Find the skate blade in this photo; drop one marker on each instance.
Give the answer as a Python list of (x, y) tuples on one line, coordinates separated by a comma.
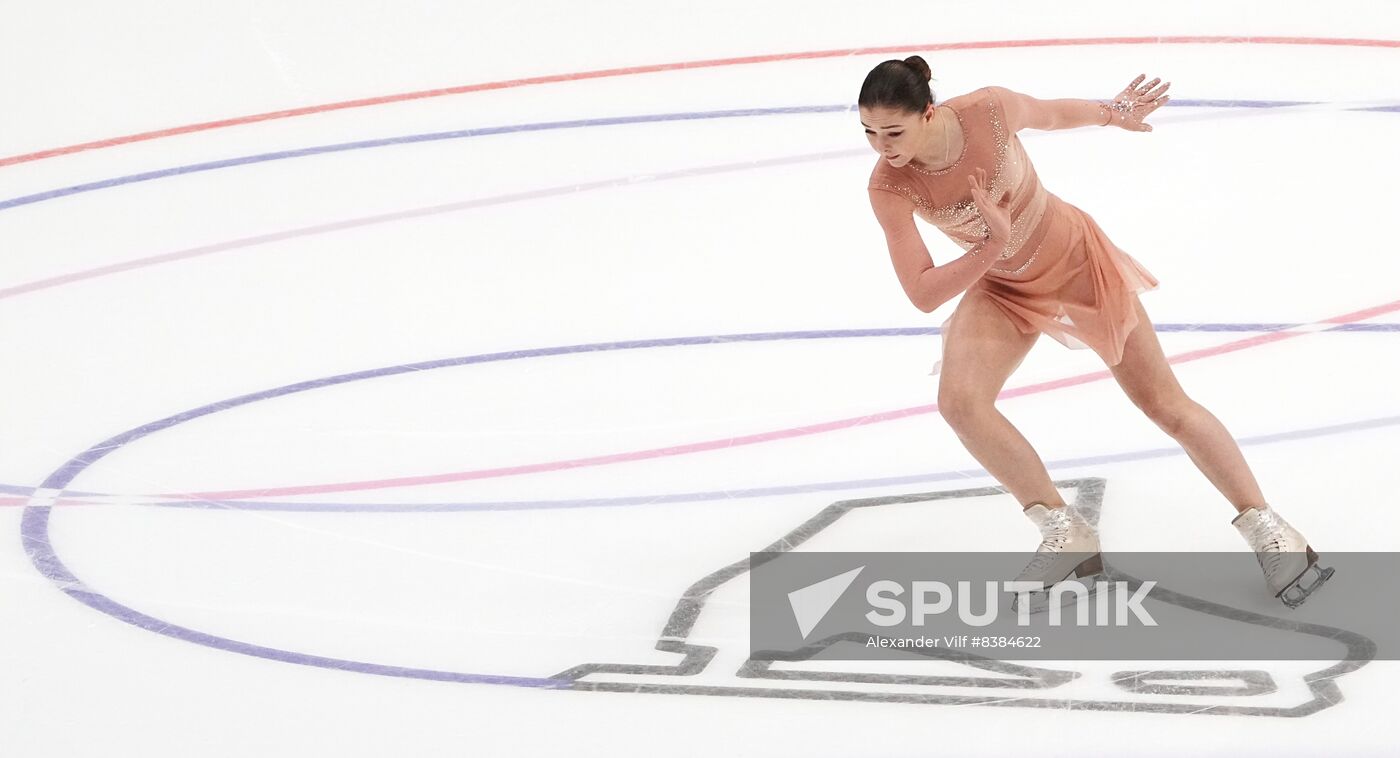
[(1297, 592), (1087, 574), (1039, 602)]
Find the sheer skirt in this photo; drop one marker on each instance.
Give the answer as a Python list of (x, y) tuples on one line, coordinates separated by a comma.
[(1079, 289)]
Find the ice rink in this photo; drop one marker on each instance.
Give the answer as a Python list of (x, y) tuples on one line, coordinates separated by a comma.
[(381, 378)]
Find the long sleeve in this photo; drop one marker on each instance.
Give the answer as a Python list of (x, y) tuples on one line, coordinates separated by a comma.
[(1026, 112), (926, 285)]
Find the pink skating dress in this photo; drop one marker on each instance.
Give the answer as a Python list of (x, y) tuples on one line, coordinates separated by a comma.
[(1060, 274)]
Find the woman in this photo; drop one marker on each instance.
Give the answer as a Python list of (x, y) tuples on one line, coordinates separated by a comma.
[(1034, 263)]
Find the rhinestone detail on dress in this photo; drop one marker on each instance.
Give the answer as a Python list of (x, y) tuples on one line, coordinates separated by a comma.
[(965, 212)]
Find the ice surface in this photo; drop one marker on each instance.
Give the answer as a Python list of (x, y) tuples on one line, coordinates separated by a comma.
[(587, 340)]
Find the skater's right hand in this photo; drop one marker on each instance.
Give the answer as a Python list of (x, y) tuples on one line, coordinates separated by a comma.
[(995, 214)]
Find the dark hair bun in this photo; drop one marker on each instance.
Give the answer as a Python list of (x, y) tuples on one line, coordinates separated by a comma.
[(899, 84), (920, 67)]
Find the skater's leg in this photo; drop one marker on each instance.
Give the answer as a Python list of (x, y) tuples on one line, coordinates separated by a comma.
[(1147, 378), (980, 350), (1290, 566)]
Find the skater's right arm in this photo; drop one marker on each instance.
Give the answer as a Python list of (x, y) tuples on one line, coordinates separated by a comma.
[(927, 286)]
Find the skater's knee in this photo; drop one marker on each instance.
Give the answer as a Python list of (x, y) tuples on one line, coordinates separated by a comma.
[(962, 409), (1170, 411)]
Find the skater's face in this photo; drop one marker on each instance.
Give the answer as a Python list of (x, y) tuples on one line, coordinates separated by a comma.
[(897, 135)]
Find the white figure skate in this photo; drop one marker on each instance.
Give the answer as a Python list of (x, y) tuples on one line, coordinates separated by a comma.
[(1289, 564), (1069, 548)]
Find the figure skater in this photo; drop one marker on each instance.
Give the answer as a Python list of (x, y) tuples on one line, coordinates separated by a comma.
[(1034, 263)]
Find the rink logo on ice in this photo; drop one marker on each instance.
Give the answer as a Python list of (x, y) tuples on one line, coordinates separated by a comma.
[(1206, 608)]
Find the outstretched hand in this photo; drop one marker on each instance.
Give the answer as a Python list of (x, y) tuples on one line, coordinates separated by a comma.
[(996, 214), (1134, 103)]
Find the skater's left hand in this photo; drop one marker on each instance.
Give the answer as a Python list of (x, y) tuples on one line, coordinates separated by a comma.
[(1134, 103), (995, 213)]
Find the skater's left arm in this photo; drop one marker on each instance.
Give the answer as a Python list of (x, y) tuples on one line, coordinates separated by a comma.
[(1126, 111)]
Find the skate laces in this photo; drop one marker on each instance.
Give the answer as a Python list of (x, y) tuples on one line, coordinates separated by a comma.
[(1054, 535), (1266, 537)]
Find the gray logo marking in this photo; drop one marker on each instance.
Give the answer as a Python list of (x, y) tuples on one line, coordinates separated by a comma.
[(1012, 680)]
